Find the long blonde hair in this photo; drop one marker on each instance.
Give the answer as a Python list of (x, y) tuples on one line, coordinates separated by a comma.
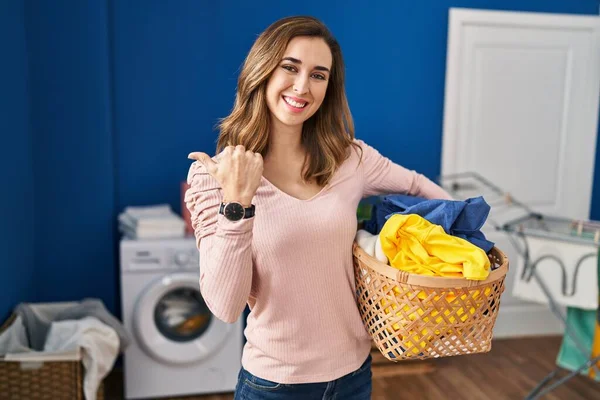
[(326, 136)]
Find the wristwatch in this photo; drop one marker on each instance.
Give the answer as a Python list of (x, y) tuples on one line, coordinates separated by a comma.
[(235, 211)]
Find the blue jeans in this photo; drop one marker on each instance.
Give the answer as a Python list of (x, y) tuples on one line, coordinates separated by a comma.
[(354, 386)]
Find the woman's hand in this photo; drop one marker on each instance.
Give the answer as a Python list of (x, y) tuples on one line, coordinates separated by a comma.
[(237, 170)]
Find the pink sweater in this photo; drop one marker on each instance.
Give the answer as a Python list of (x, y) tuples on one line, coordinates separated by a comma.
[(292, 264)]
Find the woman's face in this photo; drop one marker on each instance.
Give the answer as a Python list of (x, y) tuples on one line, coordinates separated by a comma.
[(297, 87)]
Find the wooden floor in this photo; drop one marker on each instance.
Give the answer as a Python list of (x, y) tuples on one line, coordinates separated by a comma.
[(509, 371)]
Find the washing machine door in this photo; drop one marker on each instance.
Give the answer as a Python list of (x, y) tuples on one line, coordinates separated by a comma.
[(173, 324)]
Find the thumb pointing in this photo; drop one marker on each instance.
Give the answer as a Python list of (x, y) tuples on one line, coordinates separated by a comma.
[(205, 160)]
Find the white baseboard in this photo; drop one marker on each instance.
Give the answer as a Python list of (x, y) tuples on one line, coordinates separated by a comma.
[(519, 320)]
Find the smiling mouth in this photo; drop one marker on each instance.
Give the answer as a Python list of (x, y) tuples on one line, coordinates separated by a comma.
[(293, 103)]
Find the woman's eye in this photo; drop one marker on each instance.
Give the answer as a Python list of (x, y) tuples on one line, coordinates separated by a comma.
[(289, 68), (319, 76)]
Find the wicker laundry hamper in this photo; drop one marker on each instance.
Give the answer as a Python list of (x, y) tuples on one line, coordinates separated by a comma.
[(47, 380), (414, 317)]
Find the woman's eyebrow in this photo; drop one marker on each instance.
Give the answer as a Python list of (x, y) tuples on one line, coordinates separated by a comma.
[(296, 61)]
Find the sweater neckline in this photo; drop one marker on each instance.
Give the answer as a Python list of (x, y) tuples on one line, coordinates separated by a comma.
[(336, 175), (268, 183)]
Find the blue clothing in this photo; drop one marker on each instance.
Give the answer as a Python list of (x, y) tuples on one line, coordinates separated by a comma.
[(353, 386), (463, 219)]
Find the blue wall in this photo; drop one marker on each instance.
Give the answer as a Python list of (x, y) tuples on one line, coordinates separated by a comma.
[(16, 167), (165, 96), (68, 44), (120, 93)]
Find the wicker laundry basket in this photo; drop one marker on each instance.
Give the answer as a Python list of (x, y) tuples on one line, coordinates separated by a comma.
[(47, 380), (414, 317)]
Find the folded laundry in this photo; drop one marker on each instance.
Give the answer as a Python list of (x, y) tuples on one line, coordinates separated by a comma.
[(151, 222), (463, 219), (160, 215)]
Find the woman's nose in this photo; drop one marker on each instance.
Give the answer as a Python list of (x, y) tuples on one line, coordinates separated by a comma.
[(301, 85)]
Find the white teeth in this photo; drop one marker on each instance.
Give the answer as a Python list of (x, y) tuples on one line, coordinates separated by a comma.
[(294, 103)]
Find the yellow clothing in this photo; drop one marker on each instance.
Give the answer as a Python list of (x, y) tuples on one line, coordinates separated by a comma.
[(415, 245)]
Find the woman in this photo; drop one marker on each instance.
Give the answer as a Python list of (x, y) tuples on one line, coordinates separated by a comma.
[(287, 153)]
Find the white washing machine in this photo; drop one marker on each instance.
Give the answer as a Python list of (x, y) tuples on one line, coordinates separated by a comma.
[(178, 346)]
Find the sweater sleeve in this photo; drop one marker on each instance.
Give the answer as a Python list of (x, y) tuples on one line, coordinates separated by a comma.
[(225, 247), (382, 176)]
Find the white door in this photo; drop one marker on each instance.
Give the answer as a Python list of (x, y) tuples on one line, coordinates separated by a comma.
[(521, 109)]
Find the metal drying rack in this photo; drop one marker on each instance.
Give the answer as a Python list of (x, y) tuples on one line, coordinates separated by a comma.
[(521, 222)]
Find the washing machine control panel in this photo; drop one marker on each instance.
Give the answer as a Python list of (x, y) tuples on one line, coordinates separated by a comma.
[(165, 255), (184, 259)]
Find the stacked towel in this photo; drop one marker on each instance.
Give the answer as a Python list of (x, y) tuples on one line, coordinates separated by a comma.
[(151, 222)]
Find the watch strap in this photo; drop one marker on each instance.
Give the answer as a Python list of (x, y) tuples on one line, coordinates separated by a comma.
[(249, 211)]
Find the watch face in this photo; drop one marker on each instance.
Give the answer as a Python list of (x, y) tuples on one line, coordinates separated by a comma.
[(234, 211)]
